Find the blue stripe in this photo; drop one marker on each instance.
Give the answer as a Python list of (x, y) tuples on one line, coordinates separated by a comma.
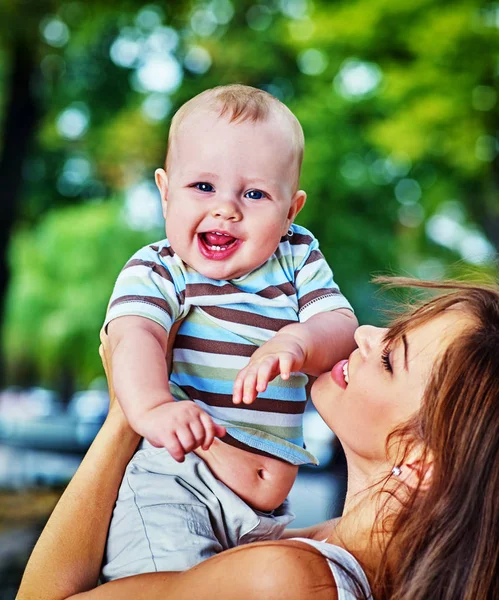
[(218, 386)]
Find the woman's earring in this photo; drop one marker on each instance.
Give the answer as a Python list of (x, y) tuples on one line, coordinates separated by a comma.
[(396, 471), (290, 232)]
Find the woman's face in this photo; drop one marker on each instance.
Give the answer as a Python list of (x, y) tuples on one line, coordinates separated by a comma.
[(380, 387)]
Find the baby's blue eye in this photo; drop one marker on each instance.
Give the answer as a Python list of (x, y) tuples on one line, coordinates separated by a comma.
[(254, 195), (204, 187)]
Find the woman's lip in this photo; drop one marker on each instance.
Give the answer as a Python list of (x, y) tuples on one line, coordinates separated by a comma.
[(337, 373), (217, 254)]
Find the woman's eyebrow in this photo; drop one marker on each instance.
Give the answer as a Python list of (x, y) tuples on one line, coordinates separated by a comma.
[(406, 352)]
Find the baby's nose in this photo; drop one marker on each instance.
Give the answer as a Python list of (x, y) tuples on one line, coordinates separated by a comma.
[(227, 210)]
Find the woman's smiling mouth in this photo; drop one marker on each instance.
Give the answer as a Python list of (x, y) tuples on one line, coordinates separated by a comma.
[(339, 373)]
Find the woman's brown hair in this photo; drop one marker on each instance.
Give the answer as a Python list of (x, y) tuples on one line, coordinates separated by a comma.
[(444, 541)]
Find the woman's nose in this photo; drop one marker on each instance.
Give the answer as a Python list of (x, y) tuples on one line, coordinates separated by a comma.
[(367, 337), (227, 210)]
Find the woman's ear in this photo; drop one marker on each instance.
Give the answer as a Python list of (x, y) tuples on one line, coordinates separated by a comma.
[(162, 182), (417, 473)]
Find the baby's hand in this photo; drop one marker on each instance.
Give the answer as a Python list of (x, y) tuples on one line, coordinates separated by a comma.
[(180, 427), (279, 356)]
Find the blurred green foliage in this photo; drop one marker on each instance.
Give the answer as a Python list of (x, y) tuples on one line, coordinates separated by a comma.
[(398, 102)]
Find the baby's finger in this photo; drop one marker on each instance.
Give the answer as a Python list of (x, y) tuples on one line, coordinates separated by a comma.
[(285, 365), (220, 430), (237, 390), (249, 387), (174, 447), (266, 373)]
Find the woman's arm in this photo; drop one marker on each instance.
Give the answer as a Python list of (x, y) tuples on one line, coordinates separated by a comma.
[(68, 554), (67, 558)]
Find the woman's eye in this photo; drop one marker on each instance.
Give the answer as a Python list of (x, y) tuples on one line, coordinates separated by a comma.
[(204, 187), (254, 195), (385, 360)]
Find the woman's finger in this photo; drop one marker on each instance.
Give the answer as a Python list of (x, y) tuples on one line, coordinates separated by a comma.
[(198, 431), (186, 439), (208, 426)]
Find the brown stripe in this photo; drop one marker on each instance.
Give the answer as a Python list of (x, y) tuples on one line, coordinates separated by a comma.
[(159, 302), (316, 294), (274, 291), (208, 289), (214, 346), (228, 439), (246, 318), (158, 269), (154, 247), (260, 404), (167, 251), (300, 238), (314, 256)]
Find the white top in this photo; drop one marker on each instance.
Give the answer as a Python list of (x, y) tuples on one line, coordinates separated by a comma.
[(335, 556)]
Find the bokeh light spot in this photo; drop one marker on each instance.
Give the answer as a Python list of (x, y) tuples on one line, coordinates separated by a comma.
[(156, 107), (204, 22), (159, 74), (295, 9), (357, 79), (259, 17), (142, 210), (55, 32), (124, 51), (411, 215), (73, 122), (312, 61), (484, 97), (408, 191), (486, 148), (197, 60), (149, 17)]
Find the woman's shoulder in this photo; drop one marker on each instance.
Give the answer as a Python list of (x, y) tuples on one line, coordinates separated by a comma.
[(277, 569)]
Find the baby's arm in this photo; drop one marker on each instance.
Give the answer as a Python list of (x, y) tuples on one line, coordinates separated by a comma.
[(313, 347), (140, 378)]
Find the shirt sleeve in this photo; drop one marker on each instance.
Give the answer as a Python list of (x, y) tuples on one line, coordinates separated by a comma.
[(316, 289), (146, 287)]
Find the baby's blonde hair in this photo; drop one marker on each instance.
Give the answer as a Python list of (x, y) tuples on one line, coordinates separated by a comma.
[(239, 103)]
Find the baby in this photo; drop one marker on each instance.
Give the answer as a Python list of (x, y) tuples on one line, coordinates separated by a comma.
[(244, 302)]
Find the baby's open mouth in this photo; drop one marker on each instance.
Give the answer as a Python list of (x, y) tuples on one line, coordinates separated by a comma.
[(217, 240)]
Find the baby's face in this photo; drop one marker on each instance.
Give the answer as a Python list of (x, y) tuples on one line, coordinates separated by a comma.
[(230, 192)]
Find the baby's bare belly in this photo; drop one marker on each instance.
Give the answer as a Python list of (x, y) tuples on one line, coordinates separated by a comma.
[(262, 482)]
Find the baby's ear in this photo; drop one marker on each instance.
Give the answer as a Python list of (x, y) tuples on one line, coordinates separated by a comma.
[(162, 182), (297, 203)]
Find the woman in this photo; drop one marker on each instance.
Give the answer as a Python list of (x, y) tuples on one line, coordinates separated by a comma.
[(416, 410)]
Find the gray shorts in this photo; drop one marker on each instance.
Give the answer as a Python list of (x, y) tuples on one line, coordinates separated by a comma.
[(170, 516)]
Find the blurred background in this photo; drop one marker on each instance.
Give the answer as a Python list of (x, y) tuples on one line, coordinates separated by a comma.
[(399, 104)]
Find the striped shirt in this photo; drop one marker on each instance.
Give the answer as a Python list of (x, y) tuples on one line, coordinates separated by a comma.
[(223, 323)]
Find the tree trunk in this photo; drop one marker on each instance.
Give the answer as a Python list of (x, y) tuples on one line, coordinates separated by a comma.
[(21, 116)]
